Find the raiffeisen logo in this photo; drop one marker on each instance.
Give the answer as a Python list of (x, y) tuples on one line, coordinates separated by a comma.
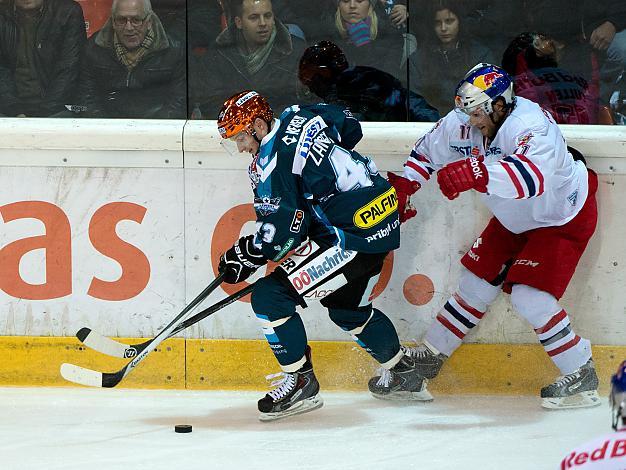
[(376, 210)]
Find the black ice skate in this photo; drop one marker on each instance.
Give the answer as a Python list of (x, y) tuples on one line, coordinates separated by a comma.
[(401, 382), (428, 360), (296, 393), (576, 390)]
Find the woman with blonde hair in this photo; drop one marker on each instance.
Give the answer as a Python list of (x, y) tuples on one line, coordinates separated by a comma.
[(366, 35)]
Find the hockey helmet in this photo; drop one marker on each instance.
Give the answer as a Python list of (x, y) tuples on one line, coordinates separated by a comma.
[(319, 66), (481, 86), (617, 398), (239, 112)]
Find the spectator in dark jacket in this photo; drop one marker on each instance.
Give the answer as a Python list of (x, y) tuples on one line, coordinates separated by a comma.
[(132, 69), (255, 52), (370, 94), (446, 54), (40, 46)]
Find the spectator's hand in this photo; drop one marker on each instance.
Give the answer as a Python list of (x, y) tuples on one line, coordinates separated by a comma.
[(398, 15), (463, 175), (404, 189), (241, 261), (602, 36)]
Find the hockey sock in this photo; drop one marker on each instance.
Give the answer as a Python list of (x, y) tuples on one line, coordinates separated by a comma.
[(552, 325), (287, 339), (461, 312), (452, 323), (566, 349)]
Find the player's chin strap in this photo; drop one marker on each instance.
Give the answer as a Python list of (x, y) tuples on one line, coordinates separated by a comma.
[(508, 107)]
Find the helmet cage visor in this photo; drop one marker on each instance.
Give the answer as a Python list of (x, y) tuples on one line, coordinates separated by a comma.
[(236, 142)]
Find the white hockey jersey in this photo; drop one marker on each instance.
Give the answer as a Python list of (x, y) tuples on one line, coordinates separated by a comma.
[(533, 180), (603, 453)]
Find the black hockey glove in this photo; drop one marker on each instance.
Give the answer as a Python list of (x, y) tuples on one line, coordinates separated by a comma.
[(241, 261)]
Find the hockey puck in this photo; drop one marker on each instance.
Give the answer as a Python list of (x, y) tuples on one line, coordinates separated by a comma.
[(183, 428)]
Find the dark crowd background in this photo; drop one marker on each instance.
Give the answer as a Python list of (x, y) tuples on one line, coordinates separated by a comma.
[(387, 60)]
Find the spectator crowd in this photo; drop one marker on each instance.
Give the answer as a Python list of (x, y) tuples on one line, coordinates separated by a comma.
[(387, 60)]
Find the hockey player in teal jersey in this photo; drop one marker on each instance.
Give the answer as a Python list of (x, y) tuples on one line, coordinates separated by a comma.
[(313, 191)]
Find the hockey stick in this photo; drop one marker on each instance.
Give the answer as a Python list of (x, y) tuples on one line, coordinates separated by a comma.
[(83, 376), (110, 347)]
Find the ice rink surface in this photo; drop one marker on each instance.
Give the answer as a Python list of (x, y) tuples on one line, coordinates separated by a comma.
[(101, 429)]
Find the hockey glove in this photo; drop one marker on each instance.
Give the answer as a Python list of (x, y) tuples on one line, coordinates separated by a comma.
[(404, 189), (463, 175), (241, 261)]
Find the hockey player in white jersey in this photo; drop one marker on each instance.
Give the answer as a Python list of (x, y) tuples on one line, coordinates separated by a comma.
[(606, 452), (544, 212)]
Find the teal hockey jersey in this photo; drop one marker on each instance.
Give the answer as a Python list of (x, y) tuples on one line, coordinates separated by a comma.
[(308, 182)]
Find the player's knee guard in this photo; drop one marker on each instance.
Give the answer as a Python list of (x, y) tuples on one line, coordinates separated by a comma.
[(371, 329), (270, 297), (535, 305), (351, 321), (475, 291)]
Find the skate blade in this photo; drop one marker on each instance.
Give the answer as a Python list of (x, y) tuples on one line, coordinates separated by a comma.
[(424, 396), (304, 406), (580, 400)]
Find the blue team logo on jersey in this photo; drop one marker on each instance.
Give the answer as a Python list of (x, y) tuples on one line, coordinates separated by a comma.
[(493, 151), (461, 147), (266, 205)]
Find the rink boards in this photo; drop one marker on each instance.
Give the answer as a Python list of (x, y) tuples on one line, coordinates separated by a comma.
[(116, 225)]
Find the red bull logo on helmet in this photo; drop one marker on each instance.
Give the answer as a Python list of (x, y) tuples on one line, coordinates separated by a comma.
[(486, 80)]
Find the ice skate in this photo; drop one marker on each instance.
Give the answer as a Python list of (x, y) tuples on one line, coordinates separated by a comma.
[(295, 393), (401, 382), (576, 390), (428, 360)]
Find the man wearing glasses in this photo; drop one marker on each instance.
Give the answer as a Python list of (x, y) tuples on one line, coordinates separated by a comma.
[(132, 68), (542, 198)]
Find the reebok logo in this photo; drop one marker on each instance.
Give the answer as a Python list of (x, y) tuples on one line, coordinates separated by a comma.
[(475, 167)]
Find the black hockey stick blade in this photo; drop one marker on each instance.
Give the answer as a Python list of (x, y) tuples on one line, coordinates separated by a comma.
[(110, 347), (92, 378)]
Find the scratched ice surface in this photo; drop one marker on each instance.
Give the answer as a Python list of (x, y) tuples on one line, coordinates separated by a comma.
[(79, 428)]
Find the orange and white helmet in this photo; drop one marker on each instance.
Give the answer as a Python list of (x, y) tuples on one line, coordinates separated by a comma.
[(239, 112)]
